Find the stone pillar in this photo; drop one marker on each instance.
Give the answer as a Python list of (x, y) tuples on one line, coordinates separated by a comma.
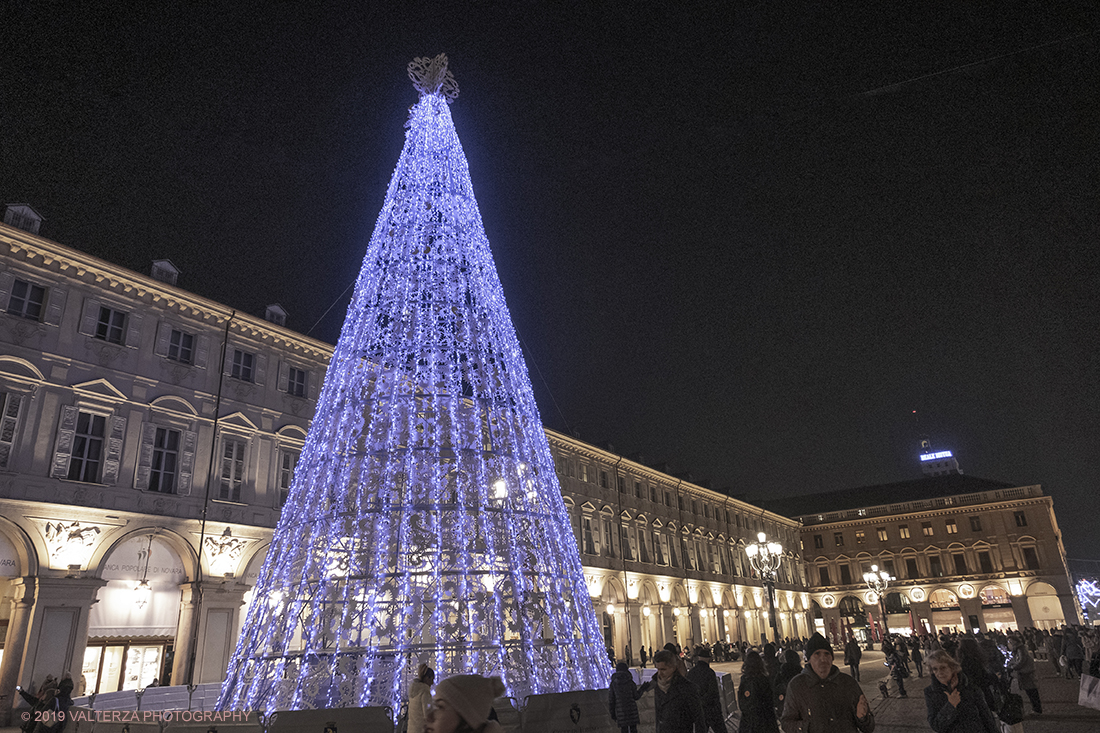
[(22, 604), (972, 607), (1070, 610), (57, 630), (1022, 612), (185, 634), (219, 612)]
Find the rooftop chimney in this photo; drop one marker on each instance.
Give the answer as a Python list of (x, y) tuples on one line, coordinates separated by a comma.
[(276, 314), (165, 271), (22, 216)]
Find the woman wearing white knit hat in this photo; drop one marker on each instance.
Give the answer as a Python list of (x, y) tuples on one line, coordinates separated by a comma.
[(462, 704)]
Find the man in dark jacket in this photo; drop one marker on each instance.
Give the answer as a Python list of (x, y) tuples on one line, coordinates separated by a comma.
[(621, 698), (824, 700), (702, 676), (676, 700), (852, 655)]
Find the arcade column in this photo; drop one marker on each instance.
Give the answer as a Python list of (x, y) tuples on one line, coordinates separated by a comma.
[(218, 607)]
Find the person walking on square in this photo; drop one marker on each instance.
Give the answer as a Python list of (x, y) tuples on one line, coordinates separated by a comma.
[(676, 702), (1022, 667), (955, 705), (918, 661), (464, 703), (822, 699), (755, 698), (643, 655), (898, 670), (622, 696), (852, 655), (420, 697), (702, 676)]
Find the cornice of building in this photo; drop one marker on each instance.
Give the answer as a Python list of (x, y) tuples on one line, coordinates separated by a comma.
[(596, 453), (1016, 496), (43, 253)]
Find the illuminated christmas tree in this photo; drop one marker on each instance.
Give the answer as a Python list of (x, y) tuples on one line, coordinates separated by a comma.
[(425, 522)]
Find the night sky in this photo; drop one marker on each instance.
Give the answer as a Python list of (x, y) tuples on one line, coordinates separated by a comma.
[(745, 239)]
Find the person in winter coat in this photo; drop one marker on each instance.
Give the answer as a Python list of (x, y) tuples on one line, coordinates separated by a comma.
[(791, 667), (702, 676), (918, 660), (420, 697), (1075, 652), (954, 705), (898, 670), (463, 703), (1022, 667), (622, 695), (852, 655), (644, 656), (676, 701), (771, 663), (754, 698), (822, 699)]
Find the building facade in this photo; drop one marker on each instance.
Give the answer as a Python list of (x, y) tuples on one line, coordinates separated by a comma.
[(964, 553), (148, 437)]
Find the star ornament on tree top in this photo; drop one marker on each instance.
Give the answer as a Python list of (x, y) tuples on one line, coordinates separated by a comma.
[(431, 76)]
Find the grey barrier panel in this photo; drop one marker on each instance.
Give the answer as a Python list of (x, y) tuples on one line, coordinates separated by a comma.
[(579, 711), (349, 720)]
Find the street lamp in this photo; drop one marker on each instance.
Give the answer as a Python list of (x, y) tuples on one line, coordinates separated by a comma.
[(877, 581), (765, 558)]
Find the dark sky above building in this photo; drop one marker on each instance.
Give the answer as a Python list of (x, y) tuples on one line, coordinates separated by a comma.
[(748, 239)]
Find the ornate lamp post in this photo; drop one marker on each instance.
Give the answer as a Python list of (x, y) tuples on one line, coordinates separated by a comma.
[(765, 558), (877, 581)]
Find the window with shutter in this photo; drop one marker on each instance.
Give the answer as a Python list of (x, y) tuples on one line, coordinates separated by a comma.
[(10, 407), (26, 300), (87, 448), (232, 474)]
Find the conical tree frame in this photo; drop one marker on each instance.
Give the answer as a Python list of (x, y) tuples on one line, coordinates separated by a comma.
[(425, 522)]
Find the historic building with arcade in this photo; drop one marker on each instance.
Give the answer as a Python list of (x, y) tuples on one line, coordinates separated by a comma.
[(148, 440), (148, 437)]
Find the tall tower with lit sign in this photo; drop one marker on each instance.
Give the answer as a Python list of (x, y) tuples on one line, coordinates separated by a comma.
[(936, 463), (425, 521)]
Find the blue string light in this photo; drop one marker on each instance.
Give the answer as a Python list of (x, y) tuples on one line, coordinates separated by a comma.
[(425, 521)]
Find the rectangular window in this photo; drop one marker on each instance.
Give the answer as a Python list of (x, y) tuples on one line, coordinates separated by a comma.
[(643, 545), (960, 563), (166, 447), (860, 537), (926, 529), (911, 568), (680, 503), (1021, 519), (986, 562), (87, 457), (1031, 558), (882, 535), (660, 548), (111, 326), (608, 539), (975, 524), (637, 489), (888, 566), (243, 366), (589, 543), (904, 531), (287, 465), (232, 470), (845, 575), (671, 546), (937, 566), (620, 482), (9, 418), (668, 498), (603, 480), (26, 300), (653, 493), (819, 542), (838, 539), (296, 382), (823, 571), (952, 528), (181, 347), (629, 543)]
